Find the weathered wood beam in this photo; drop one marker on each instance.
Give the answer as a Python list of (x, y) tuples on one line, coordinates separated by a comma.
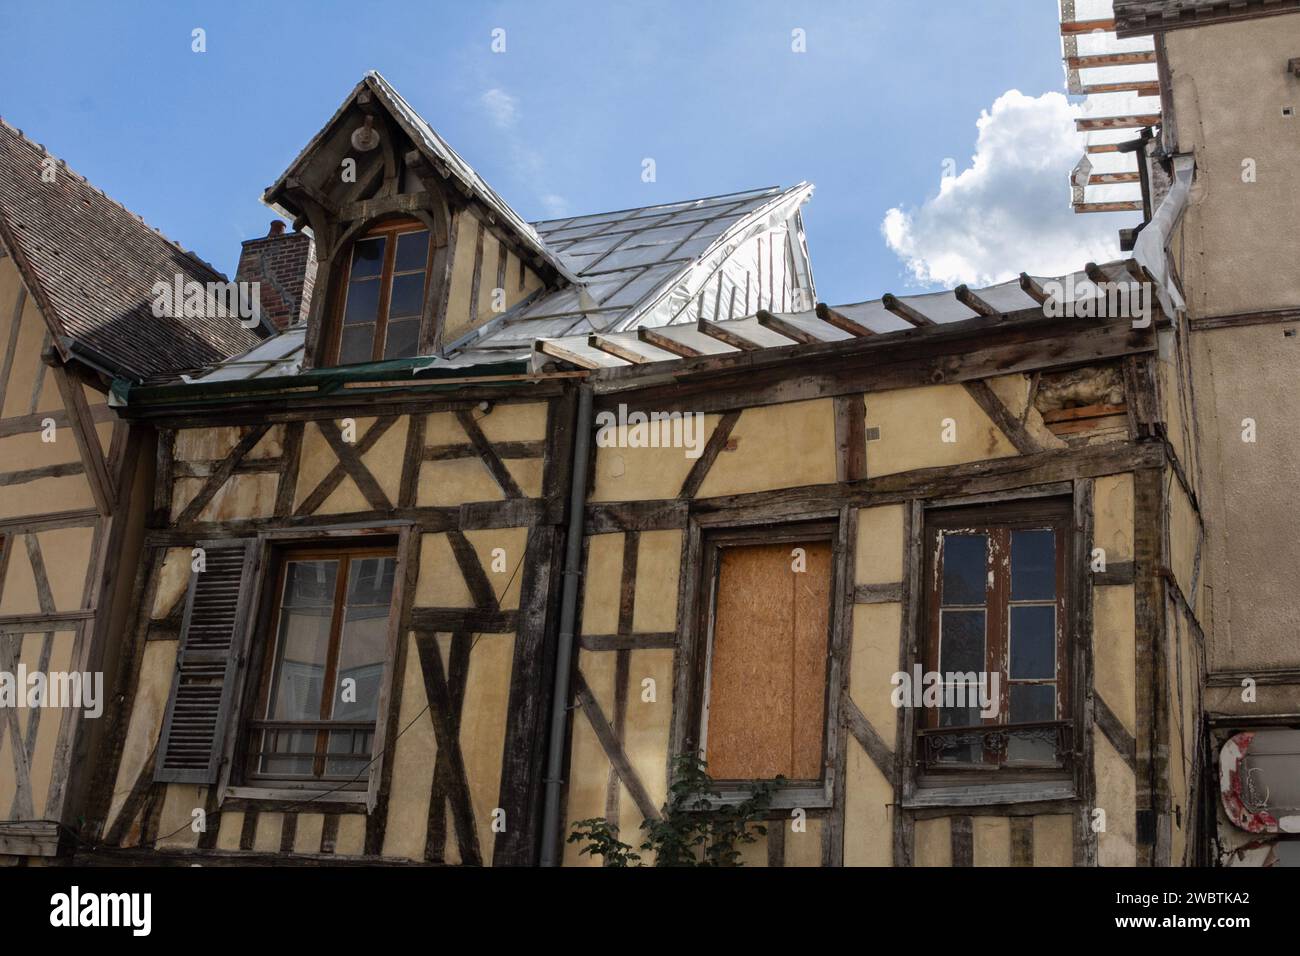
[(301, 189), (1113, 179), (1076, 27), (350, 458), (613, 748), (726, 336), (870, 740), (1140, 87), (841, 321), (966, 297), (1127, 205), (557, 351), (1131, 121), (1033, 288), (609, 346), (1091, 60), (83, 430), (898, 307), (700, 470), (336, 474), (661, 341), (487, 454), (778, 325), (221, 474), (1096, 273), (1009, 424)]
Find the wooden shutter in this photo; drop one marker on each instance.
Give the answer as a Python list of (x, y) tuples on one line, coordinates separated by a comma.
[(211, 652)]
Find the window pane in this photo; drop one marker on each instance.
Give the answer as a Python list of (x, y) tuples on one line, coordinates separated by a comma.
[(402, 339), (355, 742), (967, 749), (364, 641), (363, 302), (412, 251), (408, 295), (368, 257), (1032, 703), (1033, 565), (1033, 643), (961, 641), (302, 743), (965, 568), (302, 641), (357, 344)]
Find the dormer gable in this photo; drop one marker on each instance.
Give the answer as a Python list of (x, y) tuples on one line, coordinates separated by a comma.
[(413, 248)]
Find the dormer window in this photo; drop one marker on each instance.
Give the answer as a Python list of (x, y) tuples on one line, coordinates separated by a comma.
[(383, 303)]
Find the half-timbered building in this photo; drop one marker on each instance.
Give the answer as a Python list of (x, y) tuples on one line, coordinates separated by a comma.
[(516, 513), (77, 272)]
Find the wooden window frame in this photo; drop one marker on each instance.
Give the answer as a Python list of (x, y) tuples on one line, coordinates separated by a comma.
[(705, 537), (391, 229), (405, 543), (1011, 782)]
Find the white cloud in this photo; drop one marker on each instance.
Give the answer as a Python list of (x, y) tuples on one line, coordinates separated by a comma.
[(501, 107), (554, 205), (1009, 211)]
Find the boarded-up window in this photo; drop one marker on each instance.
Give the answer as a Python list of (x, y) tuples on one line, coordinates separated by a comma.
[(765, 712)]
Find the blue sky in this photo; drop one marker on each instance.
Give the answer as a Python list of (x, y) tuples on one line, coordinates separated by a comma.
[(560, 122)]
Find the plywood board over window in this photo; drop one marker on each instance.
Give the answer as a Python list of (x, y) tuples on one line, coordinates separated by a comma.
[(766, 705)]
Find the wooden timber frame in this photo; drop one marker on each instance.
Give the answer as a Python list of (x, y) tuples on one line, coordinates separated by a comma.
[(964, 353), (135, 827)]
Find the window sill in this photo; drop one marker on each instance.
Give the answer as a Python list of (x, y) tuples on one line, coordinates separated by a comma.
[(337, 801), (987, 794)]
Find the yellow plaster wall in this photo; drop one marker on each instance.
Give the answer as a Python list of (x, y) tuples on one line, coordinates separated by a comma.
[(933, 842), (1117, 795), (911, 423), (659, 557), (991, 840), (880, 545), (874, 660), (588, 767), (601, 583), (776, 446), (1114, 645), (868, 819), (153, 687), (1112, 521), (623, 473), (414, 757), (1053, 840), (66, 554)]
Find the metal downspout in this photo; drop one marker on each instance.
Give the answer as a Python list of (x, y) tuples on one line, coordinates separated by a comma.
[(564, 649)]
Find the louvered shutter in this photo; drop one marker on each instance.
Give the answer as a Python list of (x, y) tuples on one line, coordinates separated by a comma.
[(208, 660)]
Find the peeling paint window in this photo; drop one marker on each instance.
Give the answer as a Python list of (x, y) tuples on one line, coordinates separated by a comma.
[(995, 651)]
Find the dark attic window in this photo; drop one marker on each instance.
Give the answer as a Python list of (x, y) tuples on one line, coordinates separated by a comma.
[(382, 304)]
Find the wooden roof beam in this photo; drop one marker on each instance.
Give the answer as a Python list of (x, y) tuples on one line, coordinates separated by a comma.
[(841, 321), (726, 336), (610, 347), (769, 321), (1131, 121), (553, 350), (1096, 273), (1140, 87), (1110, 179), (1033, 288), (661, 341), (1071, 28), (1131, 205), (904, 311), (973, 302), (1090, 60)]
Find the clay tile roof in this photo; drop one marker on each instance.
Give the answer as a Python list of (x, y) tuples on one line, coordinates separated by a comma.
[(91, 265)]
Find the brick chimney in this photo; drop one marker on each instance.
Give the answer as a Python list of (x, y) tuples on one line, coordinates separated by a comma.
[(284, 264)]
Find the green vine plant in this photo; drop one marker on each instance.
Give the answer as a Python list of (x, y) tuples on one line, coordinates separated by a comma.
[(694, 829)]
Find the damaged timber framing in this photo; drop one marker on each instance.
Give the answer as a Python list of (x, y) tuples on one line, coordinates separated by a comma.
[(965, 353)]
